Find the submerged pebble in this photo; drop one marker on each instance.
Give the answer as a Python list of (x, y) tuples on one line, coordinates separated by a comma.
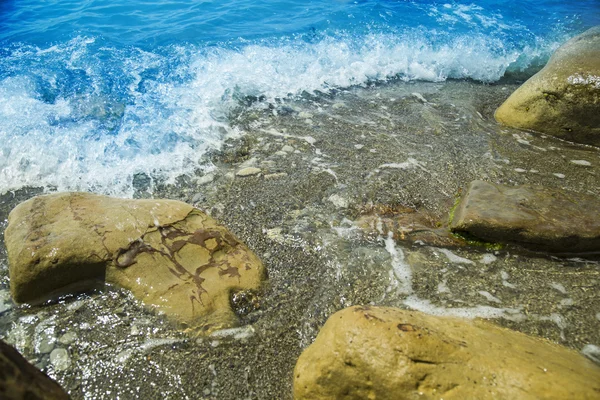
[(60, 359)]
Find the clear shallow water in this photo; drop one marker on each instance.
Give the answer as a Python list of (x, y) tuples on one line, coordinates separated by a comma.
[(94, 92)]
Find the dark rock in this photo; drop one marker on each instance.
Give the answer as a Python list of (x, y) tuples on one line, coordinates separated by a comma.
[(20, 380), (535, 217)]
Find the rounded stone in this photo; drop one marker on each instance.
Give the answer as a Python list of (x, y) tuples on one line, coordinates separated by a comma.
[(60, 360)]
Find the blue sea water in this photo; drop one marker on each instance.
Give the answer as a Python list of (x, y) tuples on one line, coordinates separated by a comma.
[(93, 92)]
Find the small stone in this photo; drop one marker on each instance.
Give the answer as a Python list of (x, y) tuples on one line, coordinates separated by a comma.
[(5, 302), (419, 97), (287, 148), (582, 163), (67, 338), (277, 175), (248, 171), (520, 170), (559, 176), (338, 201), (60, 359), (203, 180), (46, 343), (359, 146)]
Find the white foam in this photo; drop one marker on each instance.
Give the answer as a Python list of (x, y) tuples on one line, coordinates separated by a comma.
[(427, 307), (453, 258), (401, 273), (99, 140)]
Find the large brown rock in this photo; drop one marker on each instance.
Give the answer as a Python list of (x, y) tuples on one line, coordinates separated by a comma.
[(20, 380), (386, 353), (535, 217), (171, 256), (563, 99)]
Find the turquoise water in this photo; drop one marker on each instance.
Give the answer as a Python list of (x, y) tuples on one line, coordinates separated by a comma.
[(94, 92)]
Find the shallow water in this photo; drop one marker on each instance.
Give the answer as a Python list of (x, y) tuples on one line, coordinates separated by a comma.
[(97, 94), (348, 108), (326, 161)]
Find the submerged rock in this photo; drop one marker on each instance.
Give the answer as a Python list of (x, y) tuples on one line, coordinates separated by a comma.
[(407, 225), (21, 380), (387, 353), (171, 256), (535, 217), (563, 99)]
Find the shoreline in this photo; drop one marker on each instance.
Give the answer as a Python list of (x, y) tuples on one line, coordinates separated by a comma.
[(323, 162)]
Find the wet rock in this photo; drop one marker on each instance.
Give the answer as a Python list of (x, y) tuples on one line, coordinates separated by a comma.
[(407, 225), (67, 338), (386, 353), (172, 256), (59, 358), (21, 380), (248, 171), (563, 99), (535, 217)]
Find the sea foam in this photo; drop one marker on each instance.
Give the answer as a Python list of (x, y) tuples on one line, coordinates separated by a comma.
[(88, 115)]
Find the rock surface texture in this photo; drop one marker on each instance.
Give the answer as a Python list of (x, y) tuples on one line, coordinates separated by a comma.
[(387, 353), (170, 255), (563, 99), (21, 380), (535, 217)]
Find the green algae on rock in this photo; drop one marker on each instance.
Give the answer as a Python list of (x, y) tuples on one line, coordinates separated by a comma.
[(535, 217), (171, 256), (387, 353), (563, 99)]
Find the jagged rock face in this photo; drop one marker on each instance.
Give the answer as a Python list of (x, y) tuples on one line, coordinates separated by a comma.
[(21, 380), (563, 99), (386, 353), (535, 217), (171, 256)]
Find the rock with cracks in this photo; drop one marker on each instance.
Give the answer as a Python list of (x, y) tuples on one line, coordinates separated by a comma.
[(563, 99), (535, 217), (171, 256), (386, 353)]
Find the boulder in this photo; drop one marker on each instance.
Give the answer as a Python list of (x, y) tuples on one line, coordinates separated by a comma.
[(21, 380), (535, 217), (171, 256), (563, 99), (386, 353)]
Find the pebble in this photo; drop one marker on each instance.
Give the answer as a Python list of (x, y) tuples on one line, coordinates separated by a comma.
[(520, 170), (248, 171), (582, 163), (67, 338), (5, 302), (287, 148), (276, 175), (203, 180), (60, 359), (338, 201), (560, 176), (46, 343)]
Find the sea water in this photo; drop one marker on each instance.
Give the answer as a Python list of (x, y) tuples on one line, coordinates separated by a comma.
[(96, 93)]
